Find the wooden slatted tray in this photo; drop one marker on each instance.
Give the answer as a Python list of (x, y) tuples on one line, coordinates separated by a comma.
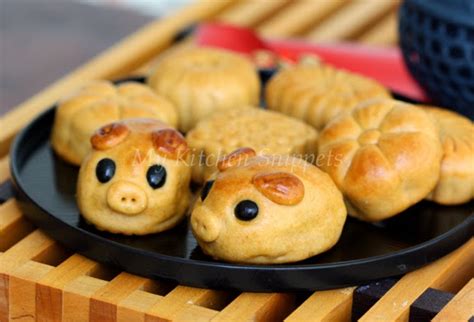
[(40, 280)]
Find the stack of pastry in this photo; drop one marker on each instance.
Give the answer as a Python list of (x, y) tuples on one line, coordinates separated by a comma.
[(135, 167), (384, 155), (267, 177), (392, 155)]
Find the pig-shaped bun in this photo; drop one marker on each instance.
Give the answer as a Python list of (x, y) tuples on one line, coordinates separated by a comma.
[(136, 178), (267, 209)]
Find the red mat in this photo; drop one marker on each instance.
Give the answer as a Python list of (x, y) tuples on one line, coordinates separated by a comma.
[(383, 64)]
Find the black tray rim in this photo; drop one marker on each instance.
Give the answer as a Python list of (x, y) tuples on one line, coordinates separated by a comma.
[(422, 253)]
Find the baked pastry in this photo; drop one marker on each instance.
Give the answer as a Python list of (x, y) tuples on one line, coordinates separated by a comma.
[(316, 93), (136, 178), (266, 132), (99, 103), (267, 209), (201, 81), (384, 156), (456, 182)]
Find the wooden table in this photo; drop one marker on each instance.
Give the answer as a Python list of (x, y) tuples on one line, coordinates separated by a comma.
[(40, 280)]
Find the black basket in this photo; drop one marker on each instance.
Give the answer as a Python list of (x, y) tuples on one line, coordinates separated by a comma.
[(437, 40)]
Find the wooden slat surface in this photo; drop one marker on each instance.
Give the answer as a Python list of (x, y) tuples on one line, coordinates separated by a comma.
[(35, 246), (13, 226), (257, 307), (298, 17), (103, 305), (23, 290), (333, 305), (249, 13), (77, 295), (50, 288), (461, 307), (383, 33), (180, 299), (133, 308), (4, 169), (351, 20), (447, 274)]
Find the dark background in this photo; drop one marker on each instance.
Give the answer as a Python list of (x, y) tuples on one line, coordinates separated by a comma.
[(40, 41)]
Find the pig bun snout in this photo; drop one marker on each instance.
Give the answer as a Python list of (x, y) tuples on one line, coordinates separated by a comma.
[(205, 226), (126, 198)]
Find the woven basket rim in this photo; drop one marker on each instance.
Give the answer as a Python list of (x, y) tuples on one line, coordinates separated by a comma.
[(435, 9)]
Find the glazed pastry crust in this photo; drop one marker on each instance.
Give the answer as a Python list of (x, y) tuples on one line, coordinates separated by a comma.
[(456, 182), (99, 103), (282, 232), (133, 155), (201, 81), (316, 93), (266, 132), (384, 156)]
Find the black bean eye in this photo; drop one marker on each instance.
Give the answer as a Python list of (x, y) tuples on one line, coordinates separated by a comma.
[(105, 170), (205, 190), (246, 210), (156, 176)]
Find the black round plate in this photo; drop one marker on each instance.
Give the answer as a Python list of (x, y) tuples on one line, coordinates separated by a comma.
[(365, 252)]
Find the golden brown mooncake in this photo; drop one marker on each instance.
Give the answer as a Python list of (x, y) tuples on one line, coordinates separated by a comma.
[(267, 210), (99, 103), (135, 180), (316, 93), (202, 81), (264, 131), (384, 156), (456, 182)]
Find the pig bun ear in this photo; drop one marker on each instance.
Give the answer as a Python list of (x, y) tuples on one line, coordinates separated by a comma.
[(282, 188), (235, 158), (170, 144), (109, 136)]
